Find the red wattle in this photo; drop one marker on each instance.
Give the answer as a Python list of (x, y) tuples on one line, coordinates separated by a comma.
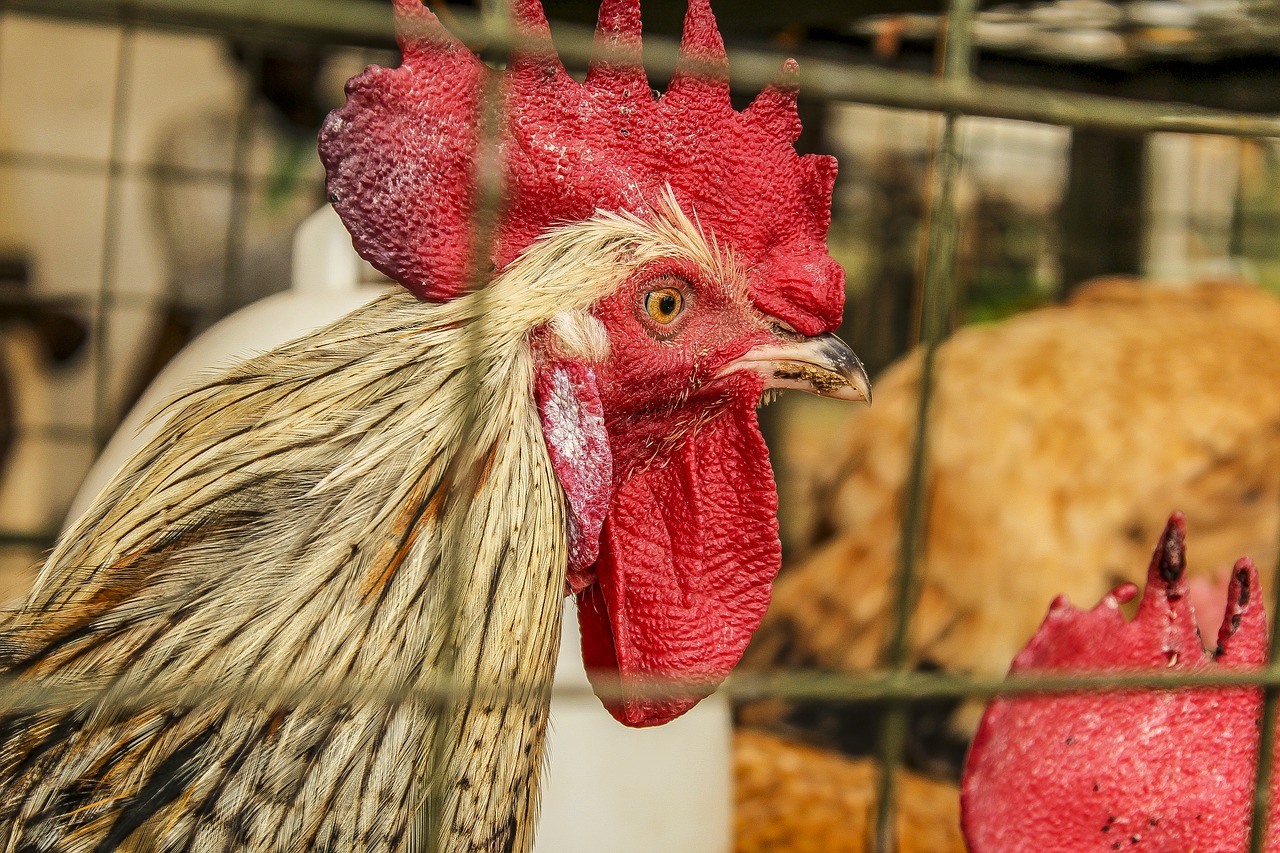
[(578, 444), (687, 559)]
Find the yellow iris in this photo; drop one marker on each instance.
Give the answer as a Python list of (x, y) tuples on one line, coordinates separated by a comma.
[(664, 304)]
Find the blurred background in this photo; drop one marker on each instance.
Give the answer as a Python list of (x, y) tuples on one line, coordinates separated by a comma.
[(157, 157)]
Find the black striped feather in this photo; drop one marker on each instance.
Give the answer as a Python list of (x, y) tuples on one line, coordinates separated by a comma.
[(244, 615), (320, 610)]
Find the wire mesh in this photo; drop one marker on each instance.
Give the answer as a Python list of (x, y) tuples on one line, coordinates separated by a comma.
[(955, 93)]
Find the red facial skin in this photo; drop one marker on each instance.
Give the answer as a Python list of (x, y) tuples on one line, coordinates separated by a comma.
[(659, 378), (689, 548)]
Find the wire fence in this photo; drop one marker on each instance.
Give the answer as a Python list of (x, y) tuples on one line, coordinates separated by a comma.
[(363, 31)]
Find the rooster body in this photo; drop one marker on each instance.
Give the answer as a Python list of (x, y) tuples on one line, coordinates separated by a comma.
[(320, 610), (181, 581), (240, 624)]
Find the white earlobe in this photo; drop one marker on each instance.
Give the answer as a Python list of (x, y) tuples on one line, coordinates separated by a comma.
[(581, 335)]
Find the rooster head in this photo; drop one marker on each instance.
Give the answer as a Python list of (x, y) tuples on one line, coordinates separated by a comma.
[(673, 257)]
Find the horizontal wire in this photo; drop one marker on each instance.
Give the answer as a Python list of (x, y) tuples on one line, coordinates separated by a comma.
[(339, 22), (161, 172), (326, 21), (18, 694)]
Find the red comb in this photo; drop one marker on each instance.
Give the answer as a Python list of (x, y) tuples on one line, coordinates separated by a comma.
[(401, 153), (1160, 770)]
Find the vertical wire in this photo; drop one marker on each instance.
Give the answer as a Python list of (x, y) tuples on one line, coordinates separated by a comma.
[(489, 195), (936, 310), (1239, 202), (1259, 817), (102, 417)]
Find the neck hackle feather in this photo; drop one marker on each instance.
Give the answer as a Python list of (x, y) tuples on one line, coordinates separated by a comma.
[(262, 680)]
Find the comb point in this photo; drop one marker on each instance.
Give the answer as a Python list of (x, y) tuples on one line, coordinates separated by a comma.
[(534, 52), (531, 18), (617, 60), (774, 110), (703, 61), (1242, 637), (701, 41), (418, 30)]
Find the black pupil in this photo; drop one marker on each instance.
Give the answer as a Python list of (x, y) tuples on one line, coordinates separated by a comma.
[(666, 303)]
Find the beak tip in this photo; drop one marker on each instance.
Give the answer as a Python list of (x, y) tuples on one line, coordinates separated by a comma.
[(856, 375), (822, 365)]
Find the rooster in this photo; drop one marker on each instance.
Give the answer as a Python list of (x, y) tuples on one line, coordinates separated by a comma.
[(320, 610)]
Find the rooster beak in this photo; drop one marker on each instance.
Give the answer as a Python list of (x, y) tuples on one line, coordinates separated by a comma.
[(822, 365)]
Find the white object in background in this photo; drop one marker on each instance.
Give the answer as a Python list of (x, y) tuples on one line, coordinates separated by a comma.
[(326, 285), (607, 788), (611, 789)]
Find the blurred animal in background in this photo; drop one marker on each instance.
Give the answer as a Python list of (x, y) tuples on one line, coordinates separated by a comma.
[(1060, 441), (320, 610), (1128, 769), (794, 798)]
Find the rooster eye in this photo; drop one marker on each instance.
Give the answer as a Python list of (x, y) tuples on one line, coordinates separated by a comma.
[(664, 304)]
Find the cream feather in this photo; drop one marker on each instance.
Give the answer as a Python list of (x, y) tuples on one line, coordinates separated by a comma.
[(262, 600)]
